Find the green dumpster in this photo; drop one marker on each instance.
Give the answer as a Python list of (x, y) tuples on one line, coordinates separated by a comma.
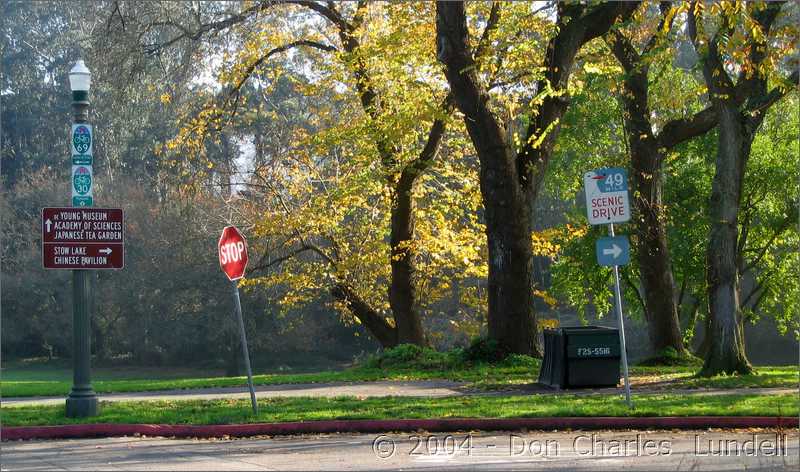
[(581, 356)]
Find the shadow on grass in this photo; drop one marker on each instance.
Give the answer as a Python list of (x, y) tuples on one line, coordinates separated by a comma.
[(351, 408)]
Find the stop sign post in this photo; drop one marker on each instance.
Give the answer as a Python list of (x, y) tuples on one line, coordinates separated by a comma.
[(232, 249)]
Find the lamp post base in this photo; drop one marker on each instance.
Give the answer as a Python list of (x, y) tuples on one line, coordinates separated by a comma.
[(82, 406)]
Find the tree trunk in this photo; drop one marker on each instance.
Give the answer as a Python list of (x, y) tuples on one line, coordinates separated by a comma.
[(511, 318), (510, 183), (657, 280), (688, 321), (652, 252), (376, 324), (705, 343), (726, 352), (402, 288), (647, 158), (740, 109)]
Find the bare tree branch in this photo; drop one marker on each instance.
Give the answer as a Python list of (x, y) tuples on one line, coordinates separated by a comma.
[(491, 25), (252, 67)]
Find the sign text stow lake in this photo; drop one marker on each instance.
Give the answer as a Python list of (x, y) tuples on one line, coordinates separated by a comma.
[(82, 238)]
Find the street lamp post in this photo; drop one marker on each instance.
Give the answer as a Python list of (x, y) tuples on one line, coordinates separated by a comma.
[(82, 400)]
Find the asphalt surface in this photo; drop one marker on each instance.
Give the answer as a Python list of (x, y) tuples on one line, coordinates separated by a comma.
[(421, 388), (576, 450)]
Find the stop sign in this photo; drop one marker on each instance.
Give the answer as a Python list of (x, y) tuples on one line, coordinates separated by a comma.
[(232, 249)]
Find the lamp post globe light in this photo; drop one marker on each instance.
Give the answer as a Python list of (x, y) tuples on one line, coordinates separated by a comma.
[(82, 400), (80, 80)]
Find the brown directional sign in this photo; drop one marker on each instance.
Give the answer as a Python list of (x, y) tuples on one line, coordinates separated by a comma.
[(83, 238), (82, 256)]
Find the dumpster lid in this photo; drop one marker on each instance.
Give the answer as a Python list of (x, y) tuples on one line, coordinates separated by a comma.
[(588, 330)]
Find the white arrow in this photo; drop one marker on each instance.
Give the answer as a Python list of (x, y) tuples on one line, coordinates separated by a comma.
[(47, 224), (107, 251), (615, 250)]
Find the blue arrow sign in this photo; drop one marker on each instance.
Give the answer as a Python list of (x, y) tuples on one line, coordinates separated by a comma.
[(613, 251)]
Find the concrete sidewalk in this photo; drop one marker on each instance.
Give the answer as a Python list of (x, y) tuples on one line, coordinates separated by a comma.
[(420, 388)]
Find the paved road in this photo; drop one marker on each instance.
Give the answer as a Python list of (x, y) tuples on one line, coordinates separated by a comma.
[(422, 388), (582, 451)]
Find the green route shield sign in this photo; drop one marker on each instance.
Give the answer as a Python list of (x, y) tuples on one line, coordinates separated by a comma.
[(81, 144), (81, 139), (82, 180)]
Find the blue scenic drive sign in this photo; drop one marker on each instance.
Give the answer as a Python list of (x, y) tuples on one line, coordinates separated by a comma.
[(613, 251)]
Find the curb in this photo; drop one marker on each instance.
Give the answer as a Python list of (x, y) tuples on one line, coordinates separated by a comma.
[(408, 425)]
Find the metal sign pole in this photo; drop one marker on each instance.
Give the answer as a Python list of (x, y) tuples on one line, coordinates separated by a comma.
[(621, 325), (245, 351), (82, 400)]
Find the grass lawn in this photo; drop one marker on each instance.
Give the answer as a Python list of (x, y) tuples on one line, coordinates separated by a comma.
[(402, 363), (764, 377), (20, 384), (309, 409)]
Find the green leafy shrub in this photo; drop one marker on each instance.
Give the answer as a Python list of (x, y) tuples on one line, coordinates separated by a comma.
[(410, 356), (670, 357), (401, 354), (521, 360), (485, 350), (481, 351)]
